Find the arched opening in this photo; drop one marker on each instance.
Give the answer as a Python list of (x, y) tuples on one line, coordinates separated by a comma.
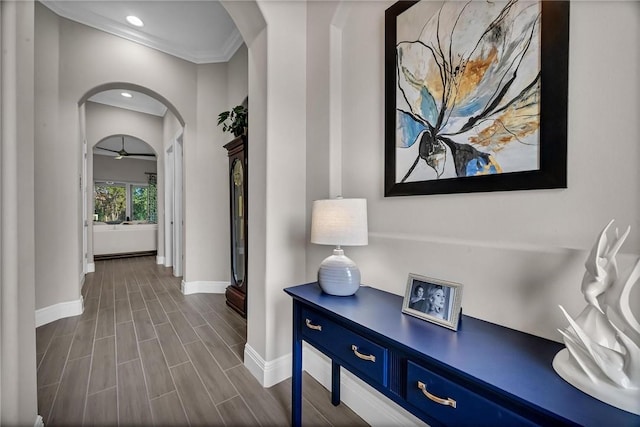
[(124, 205), (132, 87), (126, 157)]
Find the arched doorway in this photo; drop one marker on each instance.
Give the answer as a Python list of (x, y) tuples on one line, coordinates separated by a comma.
[(117, 127), (124, 199)]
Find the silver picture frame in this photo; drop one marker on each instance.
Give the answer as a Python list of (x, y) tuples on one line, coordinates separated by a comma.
[(434, 300)]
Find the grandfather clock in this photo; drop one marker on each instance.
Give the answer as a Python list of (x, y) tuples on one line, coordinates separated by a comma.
[(236, 292)]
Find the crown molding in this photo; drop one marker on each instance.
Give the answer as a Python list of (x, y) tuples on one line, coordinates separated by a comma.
[(93, 20)]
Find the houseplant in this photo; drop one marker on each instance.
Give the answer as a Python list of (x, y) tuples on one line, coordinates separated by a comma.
[(234, 120)]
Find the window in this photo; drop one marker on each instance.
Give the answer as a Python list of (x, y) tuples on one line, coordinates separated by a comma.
[(110, 202), (116, 202), (140, 203)]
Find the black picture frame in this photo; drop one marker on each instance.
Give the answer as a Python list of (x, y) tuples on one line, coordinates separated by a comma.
[(448, 311), (552, 172)]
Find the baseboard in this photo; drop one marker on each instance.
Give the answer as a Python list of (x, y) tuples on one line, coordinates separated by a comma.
[(159, 260), (91, 267), (59, 311), (267, 373), (373, 407), (203, 287), (39, 422)]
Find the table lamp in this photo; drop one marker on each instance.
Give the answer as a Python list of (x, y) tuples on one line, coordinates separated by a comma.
[(340, 222)]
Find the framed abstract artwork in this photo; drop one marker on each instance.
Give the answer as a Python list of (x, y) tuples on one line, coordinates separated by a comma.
[(475, 96)]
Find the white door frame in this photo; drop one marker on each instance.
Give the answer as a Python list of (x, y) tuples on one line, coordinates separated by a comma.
[(178, 209), (168, 207), (85, 208)]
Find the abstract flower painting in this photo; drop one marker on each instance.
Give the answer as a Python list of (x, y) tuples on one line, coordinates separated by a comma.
[(467, 87)]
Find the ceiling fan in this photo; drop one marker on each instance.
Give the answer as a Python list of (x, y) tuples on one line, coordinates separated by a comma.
[(124, 153)]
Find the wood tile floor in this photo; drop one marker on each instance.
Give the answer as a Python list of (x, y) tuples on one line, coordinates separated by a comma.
[(144, 354)]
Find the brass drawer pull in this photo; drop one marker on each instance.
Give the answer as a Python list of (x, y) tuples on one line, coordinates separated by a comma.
[(447, 402), (369, 357), (312, 326)]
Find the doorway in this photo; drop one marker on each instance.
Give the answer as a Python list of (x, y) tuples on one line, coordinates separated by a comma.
[(174, 212)]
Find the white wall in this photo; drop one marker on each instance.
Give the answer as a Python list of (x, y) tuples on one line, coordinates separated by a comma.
[(518, 254), (251, 23), (50, 152), (18, 398), (275, 35), (209, 229), (237, 77), (106, 168), (285, 169), (103, 119), (319, 90)]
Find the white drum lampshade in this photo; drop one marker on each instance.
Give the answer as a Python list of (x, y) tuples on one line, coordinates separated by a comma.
[(339, 222)]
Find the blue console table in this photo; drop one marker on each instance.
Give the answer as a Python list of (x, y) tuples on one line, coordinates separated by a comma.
[(483, 374)]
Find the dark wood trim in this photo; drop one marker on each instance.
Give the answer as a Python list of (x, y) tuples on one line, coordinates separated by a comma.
[(236, 299), (124, 255), (236, 145)]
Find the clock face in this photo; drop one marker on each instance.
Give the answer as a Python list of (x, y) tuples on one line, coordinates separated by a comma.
[(237, 174)]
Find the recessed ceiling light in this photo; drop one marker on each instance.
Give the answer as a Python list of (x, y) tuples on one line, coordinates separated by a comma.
[(126, 95), (134, 20)]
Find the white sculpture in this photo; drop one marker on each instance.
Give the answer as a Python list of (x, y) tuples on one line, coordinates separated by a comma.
[(602, 354)]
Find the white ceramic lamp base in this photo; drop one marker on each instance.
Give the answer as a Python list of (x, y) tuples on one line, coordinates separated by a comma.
[(339, 275)]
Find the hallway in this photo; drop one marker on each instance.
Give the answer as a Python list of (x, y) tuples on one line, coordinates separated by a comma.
[(144, 354)]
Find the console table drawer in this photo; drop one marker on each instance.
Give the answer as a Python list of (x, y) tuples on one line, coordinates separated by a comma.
[(352, 350), (445, 400)]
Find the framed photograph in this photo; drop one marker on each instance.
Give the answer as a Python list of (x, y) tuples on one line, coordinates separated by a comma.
[(475, 96), (436, 301)]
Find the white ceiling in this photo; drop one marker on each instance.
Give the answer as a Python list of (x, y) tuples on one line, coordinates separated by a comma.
[(197, 31), (138, 102)]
